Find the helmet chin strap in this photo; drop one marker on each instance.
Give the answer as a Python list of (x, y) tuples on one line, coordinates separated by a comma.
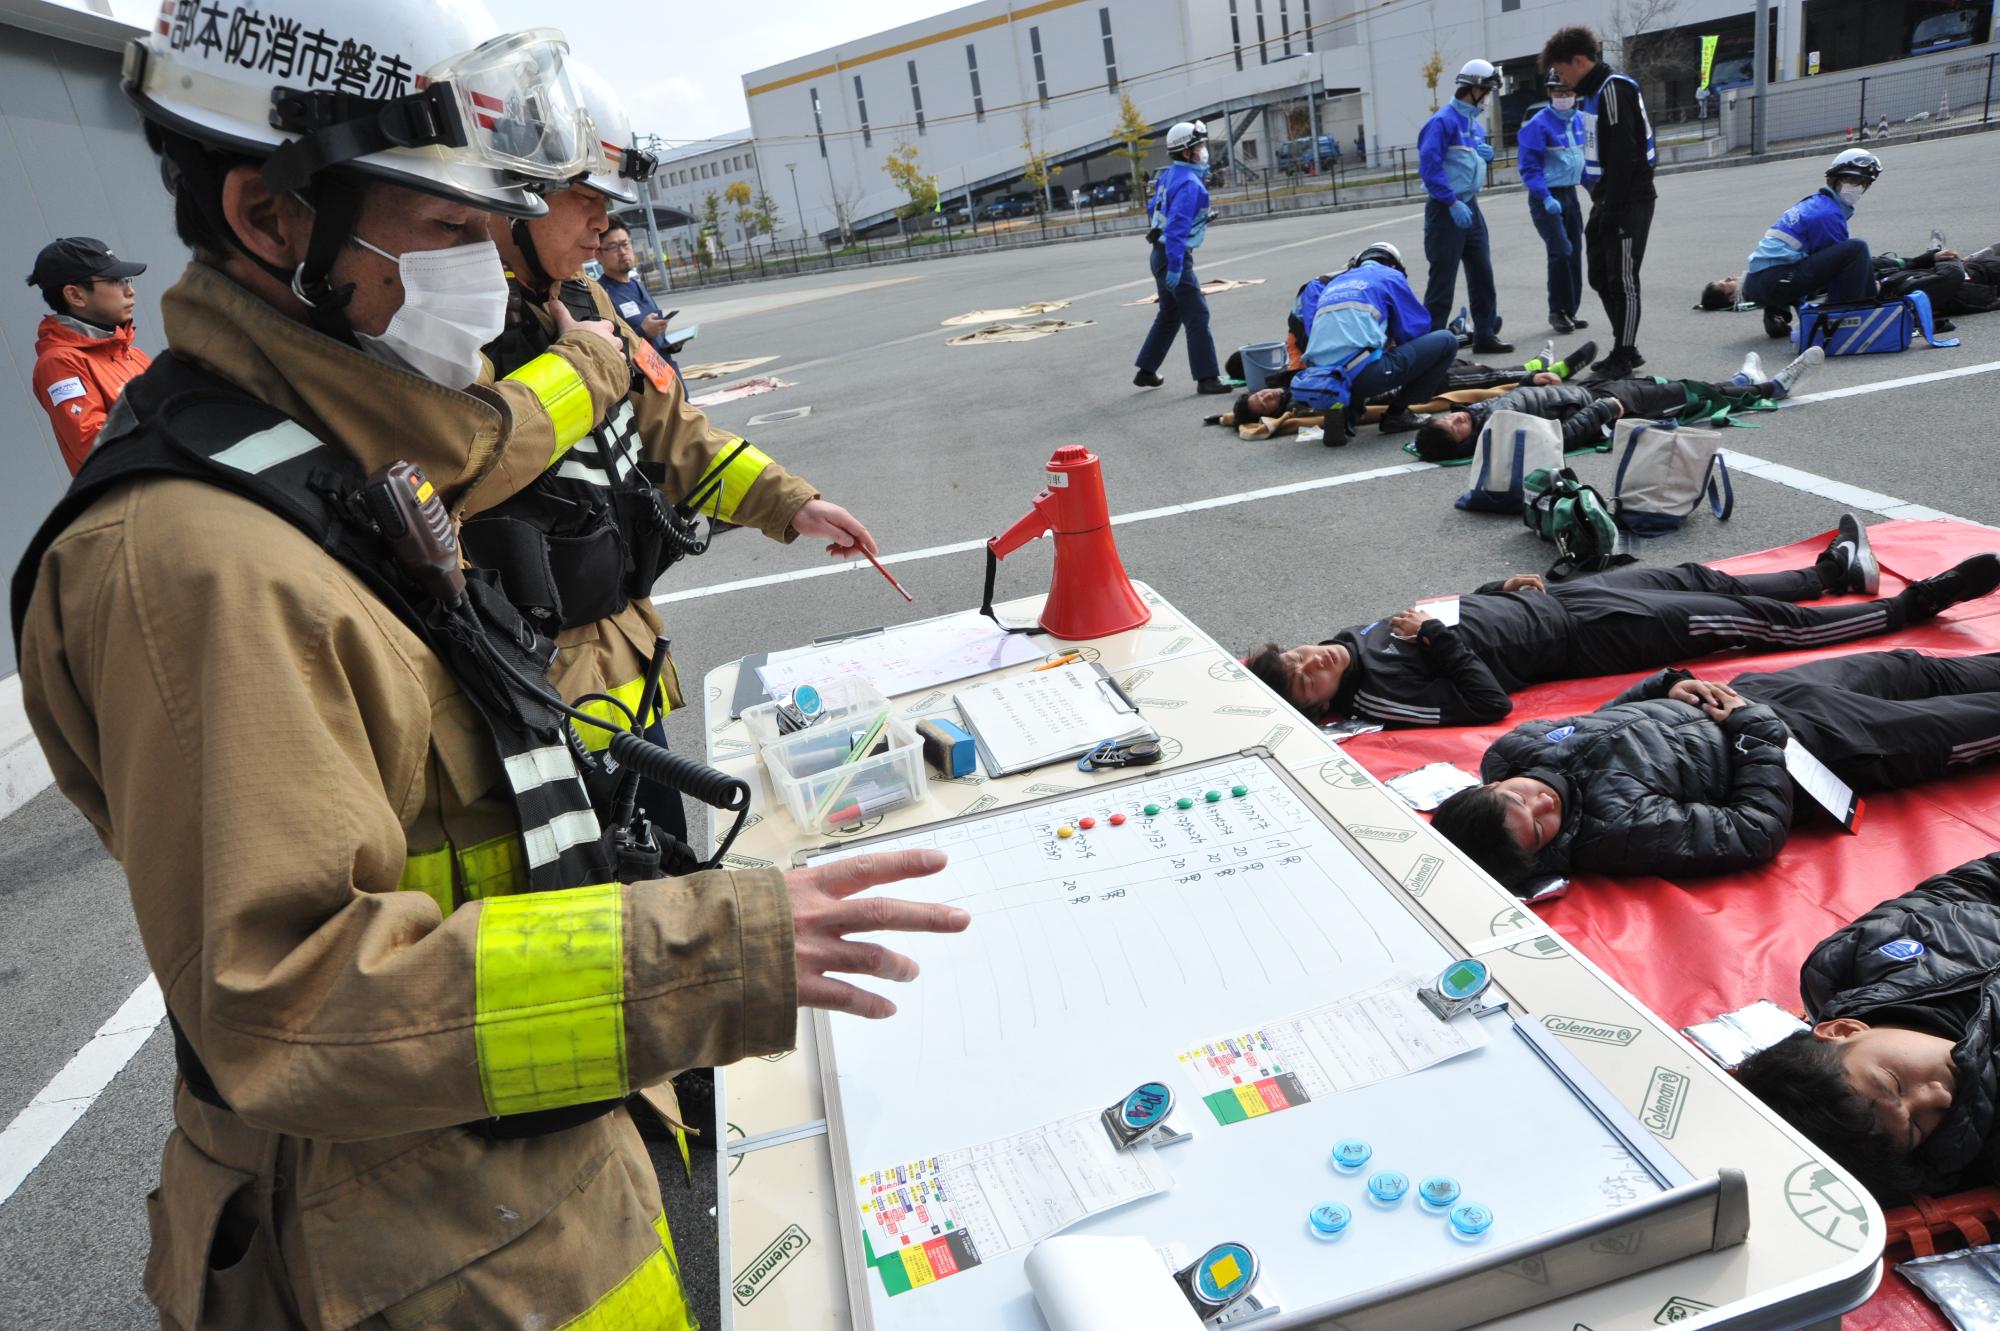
[(524, 241), (336, 207)]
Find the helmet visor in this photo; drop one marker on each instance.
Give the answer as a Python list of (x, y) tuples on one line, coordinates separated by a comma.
[(521, 109)]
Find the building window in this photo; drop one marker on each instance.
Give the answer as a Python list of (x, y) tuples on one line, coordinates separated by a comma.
[(972, 67), (1306, 19), (1236, 35), (1041, 74), (1263, 53), (861, 105), (819, 124), (1285, 25), (916, 97), (1110, 55), (1249, 150), (1509, 6)]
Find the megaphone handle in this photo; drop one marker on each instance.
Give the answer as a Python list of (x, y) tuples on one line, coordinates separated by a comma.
[(986, 599)]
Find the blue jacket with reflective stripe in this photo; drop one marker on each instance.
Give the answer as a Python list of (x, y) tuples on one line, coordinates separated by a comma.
[(1807, 227), (1551, 147), (1448, 153), (1180, 210), (1352, 317)]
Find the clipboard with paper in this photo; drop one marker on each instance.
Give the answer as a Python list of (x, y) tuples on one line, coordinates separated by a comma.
[(1047, 716)]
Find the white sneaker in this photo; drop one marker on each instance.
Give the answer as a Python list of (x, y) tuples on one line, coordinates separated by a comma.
[(1752, 372), (1787, 379)]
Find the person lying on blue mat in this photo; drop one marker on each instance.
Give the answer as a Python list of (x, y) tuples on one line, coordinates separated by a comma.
[(1465, 382), (1411, 669)]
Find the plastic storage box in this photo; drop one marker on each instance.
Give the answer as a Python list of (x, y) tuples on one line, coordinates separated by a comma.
[(840, 698), (823, 792)]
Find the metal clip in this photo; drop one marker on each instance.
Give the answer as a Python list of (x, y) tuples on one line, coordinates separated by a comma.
[(1457, 990), (1121, 753), (1217, 1284), (1142, 1116)]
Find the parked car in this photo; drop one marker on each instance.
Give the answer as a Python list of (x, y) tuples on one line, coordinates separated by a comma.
[(1738, 71), (1116, 190), (1941, 32), (1011, 206), (1298, 154)]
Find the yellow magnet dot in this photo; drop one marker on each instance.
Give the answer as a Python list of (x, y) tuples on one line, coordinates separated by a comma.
[(1065, 831)]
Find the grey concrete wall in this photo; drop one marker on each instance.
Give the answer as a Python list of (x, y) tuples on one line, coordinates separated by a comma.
[(72, 162)]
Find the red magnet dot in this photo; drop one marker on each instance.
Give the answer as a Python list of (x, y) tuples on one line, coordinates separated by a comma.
[(1086, 823), (1118, 820)]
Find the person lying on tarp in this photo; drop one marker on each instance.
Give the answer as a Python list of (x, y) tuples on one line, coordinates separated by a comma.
[(1683, 777), (1412, 669), (1465, 382), (1897, 1079), (1587, 411), (1955, 284), (1369, 336)]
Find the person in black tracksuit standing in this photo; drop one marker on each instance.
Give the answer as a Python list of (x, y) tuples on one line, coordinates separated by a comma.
[(1412, 670), (1618, 173)]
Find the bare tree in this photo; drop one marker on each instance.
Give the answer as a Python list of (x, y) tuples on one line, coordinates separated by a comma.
[(1637, 44)]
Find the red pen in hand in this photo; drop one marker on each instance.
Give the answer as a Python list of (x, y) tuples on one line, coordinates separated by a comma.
[(887, 574)]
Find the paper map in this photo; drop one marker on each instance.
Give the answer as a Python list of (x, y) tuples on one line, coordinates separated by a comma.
[(1366, 1037), (935, 1217)]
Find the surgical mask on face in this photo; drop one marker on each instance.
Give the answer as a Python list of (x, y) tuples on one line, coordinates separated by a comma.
[(454, 303), (1562, 105), (1850, 194), (1201, 156)]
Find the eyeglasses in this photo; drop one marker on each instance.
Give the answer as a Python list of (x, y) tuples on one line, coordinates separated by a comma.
[(123, 283), (624, 244)]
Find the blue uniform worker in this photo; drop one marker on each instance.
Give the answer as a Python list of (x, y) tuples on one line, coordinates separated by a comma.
[(1452, 153), (1551, 157), (1369, 337), (1807, 251), (1179, 212), (628, 294)]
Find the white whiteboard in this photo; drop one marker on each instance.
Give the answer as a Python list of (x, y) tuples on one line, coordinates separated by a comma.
[(1093, 960)]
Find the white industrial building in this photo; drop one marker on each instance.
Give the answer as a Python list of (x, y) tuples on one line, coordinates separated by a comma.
[(967, 87), (688, 175)]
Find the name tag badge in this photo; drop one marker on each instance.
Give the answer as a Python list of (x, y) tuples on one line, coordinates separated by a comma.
[(630, 309), (653, 365), (62, 390)]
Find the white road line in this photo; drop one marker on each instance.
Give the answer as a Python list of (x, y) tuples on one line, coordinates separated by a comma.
[(1853, 496), (962, 547), (35, 1130)]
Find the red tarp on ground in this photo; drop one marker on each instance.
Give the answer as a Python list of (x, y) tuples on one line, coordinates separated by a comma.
[(1692, 950)]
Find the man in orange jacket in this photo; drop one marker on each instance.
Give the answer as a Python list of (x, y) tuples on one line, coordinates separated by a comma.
[(84, 353)]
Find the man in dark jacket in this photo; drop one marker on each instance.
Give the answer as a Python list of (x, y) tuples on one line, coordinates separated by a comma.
[(1587, 411), (1897, 1080), (1618, 173), (1683, 777), (1413, 670)]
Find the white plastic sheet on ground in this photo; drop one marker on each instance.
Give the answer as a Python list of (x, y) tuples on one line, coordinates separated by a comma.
[(1006, 332)]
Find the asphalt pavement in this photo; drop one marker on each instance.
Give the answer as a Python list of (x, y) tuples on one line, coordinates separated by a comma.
[(933, 445)]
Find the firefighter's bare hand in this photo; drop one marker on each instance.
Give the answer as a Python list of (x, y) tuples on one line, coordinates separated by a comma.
[(598, 327), (1524, 582), (826, 908), (843, 533)]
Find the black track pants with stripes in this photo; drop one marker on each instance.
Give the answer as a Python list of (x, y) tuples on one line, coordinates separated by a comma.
[(1885, 720), (1615, 243), (1638, 618)]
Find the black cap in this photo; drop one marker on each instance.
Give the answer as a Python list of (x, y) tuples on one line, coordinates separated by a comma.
[(77, 259)]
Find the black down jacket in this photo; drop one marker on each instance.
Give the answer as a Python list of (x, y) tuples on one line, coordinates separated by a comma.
[(1655, 787), (1586, 417), (1931, 959)]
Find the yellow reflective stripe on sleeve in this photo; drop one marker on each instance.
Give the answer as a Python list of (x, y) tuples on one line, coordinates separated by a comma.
[(737, 478), (649, 1299), (597, 738), (428, 872), (550, 1026), (493, 868), (563, 394)]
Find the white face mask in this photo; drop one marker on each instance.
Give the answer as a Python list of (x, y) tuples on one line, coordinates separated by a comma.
[(454, 303), (1562, 103), (1201, 156), (1850, 194)]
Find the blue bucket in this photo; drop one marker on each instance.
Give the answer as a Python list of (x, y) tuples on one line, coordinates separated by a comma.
[(1262, 361)]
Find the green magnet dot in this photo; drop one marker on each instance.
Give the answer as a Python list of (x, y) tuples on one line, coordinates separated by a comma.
[(1239, 791), (1152, 809), (1183, 803), (1214, 797)]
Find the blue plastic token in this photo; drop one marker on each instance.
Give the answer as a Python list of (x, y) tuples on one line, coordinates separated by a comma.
[(1463, 980), (1469, 1220), (1223, 1272), (806, 698), (1148, 1105), (1329, 1220), (1387, 1186), (1438, 1191), (1352, 1153)]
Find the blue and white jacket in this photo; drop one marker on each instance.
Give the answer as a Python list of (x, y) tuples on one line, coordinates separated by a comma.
[(1448, 153), (1352, 316), (1180, 210), (1551, 144), (1814, 223)]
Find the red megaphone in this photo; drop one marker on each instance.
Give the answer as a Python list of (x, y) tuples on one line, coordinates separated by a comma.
[(1089, 594)]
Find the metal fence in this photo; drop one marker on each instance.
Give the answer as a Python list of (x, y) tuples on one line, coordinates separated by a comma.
[(1869, 104)]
